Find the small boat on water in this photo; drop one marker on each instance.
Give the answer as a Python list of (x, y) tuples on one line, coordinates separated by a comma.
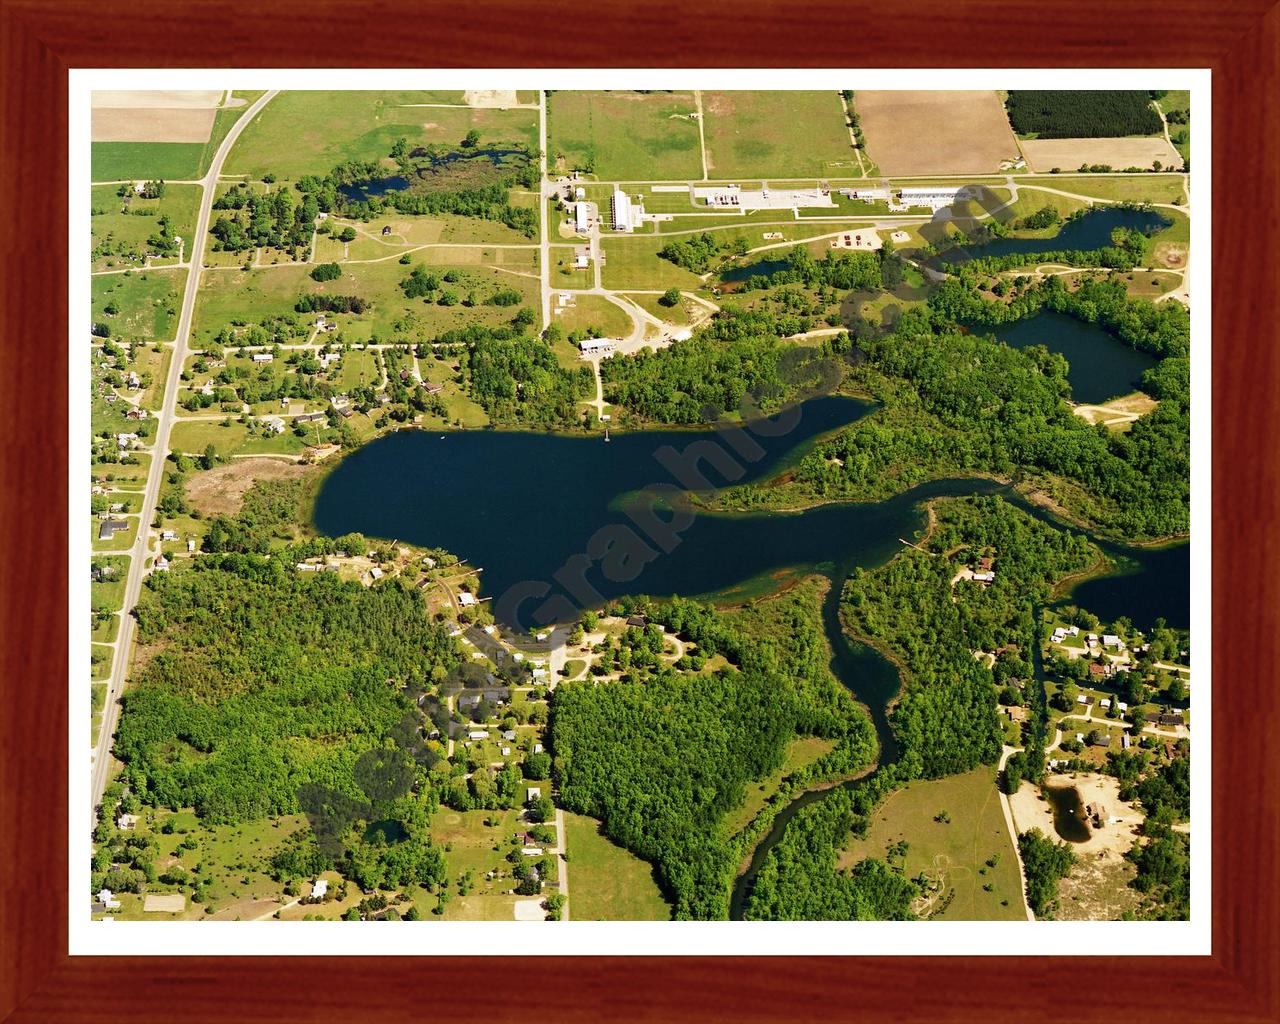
[(606, 434)]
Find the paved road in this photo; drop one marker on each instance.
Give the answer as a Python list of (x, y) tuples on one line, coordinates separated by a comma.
[(102, 759)]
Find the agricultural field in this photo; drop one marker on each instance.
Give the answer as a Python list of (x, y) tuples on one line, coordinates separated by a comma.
[(777, 135), (916, 133), (121, 226), (1120, 154), (171, 161), (301, 133), (606, 882), (617, 135), (955, 852), (139, 304)]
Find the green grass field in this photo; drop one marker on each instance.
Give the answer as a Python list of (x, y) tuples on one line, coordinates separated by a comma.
[(147, 302), (606, 882), (301, 133), (231, 295), (593, 311), (634, 263), (120, 237), (1134, 188), (956, 852), (616, 135), (777, 134), (1178, 100)]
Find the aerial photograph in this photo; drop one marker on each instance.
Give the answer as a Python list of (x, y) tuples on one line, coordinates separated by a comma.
[(558, 505)]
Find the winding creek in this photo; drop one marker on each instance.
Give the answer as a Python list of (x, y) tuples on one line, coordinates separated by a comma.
[(560, 523)]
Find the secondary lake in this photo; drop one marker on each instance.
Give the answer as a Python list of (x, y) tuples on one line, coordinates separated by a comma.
[(1087, 233), (1101, 366)]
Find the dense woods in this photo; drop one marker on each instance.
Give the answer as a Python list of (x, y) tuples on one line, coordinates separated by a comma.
[(262, 680), (660, 763), (1045, 862), (1097, 113), (945, 719), (248, 218)]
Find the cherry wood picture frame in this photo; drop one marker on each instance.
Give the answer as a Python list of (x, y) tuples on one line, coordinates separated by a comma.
[(40, 41)]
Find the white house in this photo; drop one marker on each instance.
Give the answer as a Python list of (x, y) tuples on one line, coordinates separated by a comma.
[(466, 598), (168, 535), (532, 851), (263, 357), (477, 734), (1111, 640), (273, 424), (319, 888), (107, 898)]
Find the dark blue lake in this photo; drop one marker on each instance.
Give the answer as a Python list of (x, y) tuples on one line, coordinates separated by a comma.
[(1101, 366), (1090, 232), (360, 190)]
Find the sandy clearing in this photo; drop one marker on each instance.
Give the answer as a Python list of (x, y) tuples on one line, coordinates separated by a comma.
[(1068, 154), (221, 490), (156, 99), (529, 910), (1031, 810), (501, 98), (164, 903), (932, 132), (152, 124), (1117, 412)]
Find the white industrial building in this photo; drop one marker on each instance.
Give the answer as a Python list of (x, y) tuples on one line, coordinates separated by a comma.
[(597, 347), (733, 197), (628, 214), (582, 218), (934, 198)]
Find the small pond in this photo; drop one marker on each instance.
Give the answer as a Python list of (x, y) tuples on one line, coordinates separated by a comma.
[(1068, 813)]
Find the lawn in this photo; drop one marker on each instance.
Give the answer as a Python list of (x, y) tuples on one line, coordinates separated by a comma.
[(617, 135), (120, 227), (308, 132), (147, 303), (121, 541), (777, 134), (956, 851), (606, 882), (109, 594)]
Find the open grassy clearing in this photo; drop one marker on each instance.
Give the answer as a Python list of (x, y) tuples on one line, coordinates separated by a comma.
[(1132, 188), (801, 752), (232, 439), (146, 303), (124, 476), (677, 316), (932, 132), (469, 847), (588, 311), (121, 226), (634, 263), (606, 882), (308, 132), (230, 295), (615, 135), (99, 661), (777, 134), (954, 852), (1178, 101), (1030, 201)]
